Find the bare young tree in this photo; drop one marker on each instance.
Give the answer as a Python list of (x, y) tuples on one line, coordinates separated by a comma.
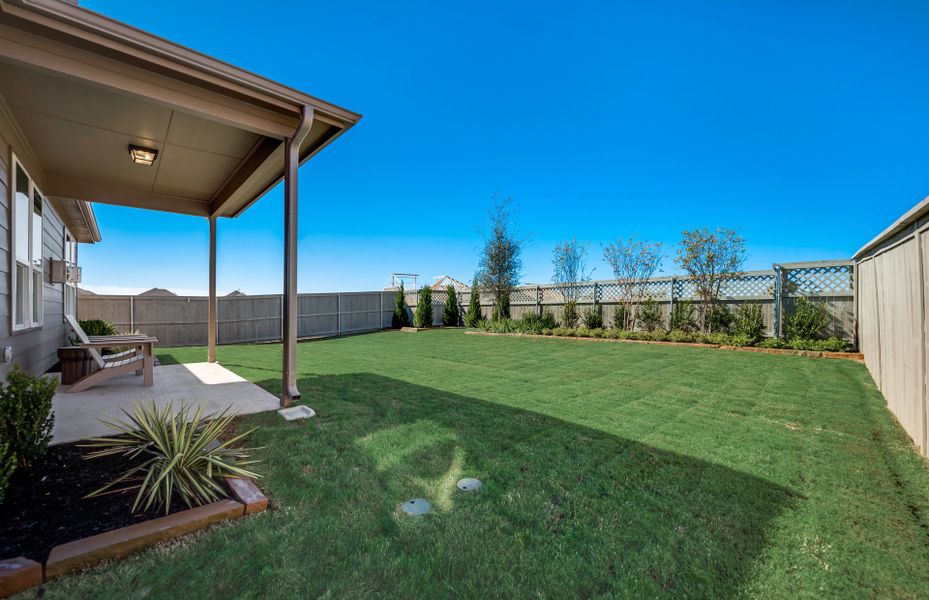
[(500, 264), (569, 259), (710, 258), (633, 263)]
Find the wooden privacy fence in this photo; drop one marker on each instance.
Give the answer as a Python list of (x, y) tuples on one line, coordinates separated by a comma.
[(776, 290), (182, 320), (893, 304)]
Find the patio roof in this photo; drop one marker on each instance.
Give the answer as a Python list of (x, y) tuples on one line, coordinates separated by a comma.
[(84, 87)]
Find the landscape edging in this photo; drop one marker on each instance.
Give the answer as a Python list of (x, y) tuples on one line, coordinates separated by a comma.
[(852, 356)]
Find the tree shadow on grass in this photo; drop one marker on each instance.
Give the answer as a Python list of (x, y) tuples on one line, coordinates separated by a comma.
[(566, 510)]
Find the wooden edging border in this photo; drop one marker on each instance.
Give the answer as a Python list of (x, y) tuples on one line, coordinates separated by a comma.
[(19, 574), (852, 356)]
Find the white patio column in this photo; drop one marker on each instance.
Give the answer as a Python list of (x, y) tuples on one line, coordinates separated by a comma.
[(289, 391), (211, 310)]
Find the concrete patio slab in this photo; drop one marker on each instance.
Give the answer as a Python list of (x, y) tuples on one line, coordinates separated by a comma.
[(77, 415)]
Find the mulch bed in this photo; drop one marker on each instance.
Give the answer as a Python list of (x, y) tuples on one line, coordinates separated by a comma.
[(45, 505)]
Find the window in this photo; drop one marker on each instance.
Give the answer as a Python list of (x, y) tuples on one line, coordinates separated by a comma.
[(27, 208), (70, 289)]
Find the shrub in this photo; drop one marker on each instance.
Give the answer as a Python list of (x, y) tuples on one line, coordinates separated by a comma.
[(827, 345), (720, 317), (452, 315), (401, 316), (593, 317), (180, 455), (569, 316), (682, 316), (807, 320), (679, 335), (98, 327), (619, 317), (26, 417), (473, 316), (773, 343), (423, 315), (650, 314), (533, 323), (749, 321), (7, 466)]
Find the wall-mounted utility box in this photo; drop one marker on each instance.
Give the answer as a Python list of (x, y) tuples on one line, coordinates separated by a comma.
[(63, 272)]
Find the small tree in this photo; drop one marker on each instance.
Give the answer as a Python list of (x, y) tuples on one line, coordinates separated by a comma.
[(650, 314), (807, 320), (423, 315), (633, 262), (500, 263), (400, 318), (710, 258), (569, 314), (569, 259), (452, 315), (473, 316), (749, 321)]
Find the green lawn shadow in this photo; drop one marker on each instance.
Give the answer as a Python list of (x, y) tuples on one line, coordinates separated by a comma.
[(567, 510)]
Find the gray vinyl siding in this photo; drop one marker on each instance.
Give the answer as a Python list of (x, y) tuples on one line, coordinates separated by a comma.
[(34, 350)]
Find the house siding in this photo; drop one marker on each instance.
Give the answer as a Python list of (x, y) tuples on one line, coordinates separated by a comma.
[(34, 350)]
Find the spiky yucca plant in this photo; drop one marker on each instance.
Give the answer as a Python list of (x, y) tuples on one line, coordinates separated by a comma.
[(180, 455)]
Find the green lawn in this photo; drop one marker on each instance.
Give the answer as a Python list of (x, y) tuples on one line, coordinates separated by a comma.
[(610, 470)]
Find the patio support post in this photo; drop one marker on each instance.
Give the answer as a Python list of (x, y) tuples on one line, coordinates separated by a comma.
[(289, 391), (211, 307)]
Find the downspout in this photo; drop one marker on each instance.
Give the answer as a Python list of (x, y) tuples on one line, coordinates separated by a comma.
[(289, 391)]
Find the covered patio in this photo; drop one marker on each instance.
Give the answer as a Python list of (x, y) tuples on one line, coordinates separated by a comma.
[(210, 385), (115, 115)]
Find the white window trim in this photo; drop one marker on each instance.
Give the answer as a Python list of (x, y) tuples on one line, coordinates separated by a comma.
[(68, 238), (29, 320)]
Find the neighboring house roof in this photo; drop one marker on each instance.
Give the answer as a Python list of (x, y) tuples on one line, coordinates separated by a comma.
[(235, 294), (82, 292), (156, 291), (443, 281), (69, 73)]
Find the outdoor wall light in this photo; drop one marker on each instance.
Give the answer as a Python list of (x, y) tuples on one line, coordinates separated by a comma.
[(143, 156)]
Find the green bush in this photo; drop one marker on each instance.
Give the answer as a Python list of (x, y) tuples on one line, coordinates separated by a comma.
[(180, 452), (749, 321), (529, 323), (682, 316), (423, 315), (619, 317), (452, 315), (7, 466), (569, 315), (473, 316), (650, 314), (26, 417), (777, 343), (807, 320), (720, 317), (827, 345), (593, 317), (98, 327), (679, 335), (401, 316)]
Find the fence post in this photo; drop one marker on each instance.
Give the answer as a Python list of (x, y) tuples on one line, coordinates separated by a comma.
[(671, 299), (538, 301), (338, 314), (596, 292), (131, 314), (778, 291)]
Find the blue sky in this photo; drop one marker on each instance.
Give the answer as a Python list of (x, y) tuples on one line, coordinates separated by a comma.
[(802, 124)]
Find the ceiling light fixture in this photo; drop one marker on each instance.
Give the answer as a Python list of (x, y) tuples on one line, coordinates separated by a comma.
[(143, 156)]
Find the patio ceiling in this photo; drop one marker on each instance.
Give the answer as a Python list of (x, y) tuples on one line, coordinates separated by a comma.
[(83, 88)]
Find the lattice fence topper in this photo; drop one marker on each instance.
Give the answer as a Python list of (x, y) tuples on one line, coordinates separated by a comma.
[(820, 281), (522, 296)]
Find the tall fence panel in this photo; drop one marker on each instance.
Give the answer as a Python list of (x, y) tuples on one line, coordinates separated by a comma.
[(892, 311), (182, 320)]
